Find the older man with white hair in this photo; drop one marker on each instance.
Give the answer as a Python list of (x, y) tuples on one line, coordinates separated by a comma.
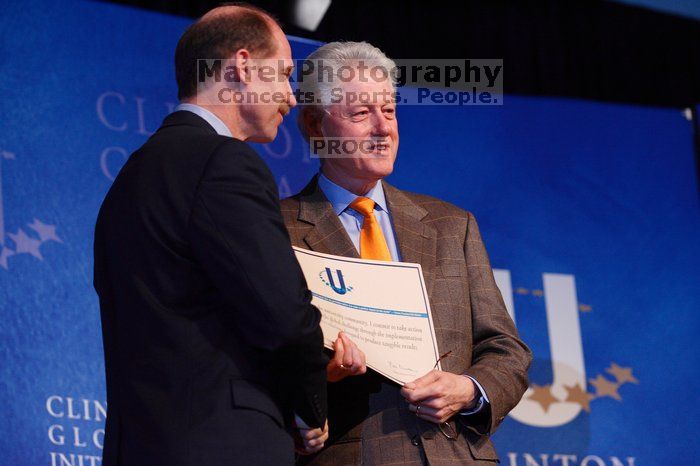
[(444, 417)]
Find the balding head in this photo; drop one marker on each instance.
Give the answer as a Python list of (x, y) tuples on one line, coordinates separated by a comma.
[(233, 9), (220, 33)]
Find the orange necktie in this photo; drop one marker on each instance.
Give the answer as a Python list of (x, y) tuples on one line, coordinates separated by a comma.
[(372, 241)]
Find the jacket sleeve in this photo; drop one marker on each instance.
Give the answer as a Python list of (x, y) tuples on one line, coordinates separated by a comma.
[(500, 359), (237, 235)]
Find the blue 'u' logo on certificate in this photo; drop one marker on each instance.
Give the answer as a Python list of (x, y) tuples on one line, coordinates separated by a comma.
[(341, 282)]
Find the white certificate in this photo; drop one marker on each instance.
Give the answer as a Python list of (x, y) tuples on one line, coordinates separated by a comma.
[(382, 306)]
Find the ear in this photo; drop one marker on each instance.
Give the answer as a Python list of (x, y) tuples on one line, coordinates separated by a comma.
[(240, 62)]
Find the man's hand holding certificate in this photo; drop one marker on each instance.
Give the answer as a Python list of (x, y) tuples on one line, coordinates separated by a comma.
[(382, 306)]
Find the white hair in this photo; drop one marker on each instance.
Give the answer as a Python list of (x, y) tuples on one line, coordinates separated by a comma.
[(317, 88)]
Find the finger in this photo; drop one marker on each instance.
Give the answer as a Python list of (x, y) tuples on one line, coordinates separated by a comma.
[(361, 367), (424, 412), (311, 434), (428, 378), (349, 346), (339, 351), (316, 441), (347, 341), (309, 449), (420, 394), (356, 359), (436, 402), (360, 363), (435, 390)]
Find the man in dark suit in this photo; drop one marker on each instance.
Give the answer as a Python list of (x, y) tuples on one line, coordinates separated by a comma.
[(212, 348), (444, 417)]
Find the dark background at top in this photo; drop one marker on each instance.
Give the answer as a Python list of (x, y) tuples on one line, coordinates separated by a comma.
[(589, 49)]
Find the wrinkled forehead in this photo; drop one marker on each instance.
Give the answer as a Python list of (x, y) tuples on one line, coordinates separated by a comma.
[(366, 91)]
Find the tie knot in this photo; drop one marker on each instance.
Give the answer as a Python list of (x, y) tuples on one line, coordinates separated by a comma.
[(363, 205)]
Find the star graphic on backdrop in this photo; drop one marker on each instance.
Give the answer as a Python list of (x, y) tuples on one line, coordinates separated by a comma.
[(46, 232), (578, 395), (622, 374), (604, 387), (541, 394), (25, 243), (7, 155), (4, 254)]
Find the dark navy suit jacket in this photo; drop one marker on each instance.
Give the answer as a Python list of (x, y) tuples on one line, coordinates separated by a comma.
[(211, 343)]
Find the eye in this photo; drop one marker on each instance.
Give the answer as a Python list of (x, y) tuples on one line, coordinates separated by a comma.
[(359, 115)]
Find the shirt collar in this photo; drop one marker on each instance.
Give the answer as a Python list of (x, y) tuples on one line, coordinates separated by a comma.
[(340, 198), (215, 122)]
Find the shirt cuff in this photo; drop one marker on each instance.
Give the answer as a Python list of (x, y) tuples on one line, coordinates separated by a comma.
[(483, 399)]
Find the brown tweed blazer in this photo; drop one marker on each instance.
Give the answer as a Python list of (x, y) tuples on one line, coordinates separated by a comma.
[(369, 420)]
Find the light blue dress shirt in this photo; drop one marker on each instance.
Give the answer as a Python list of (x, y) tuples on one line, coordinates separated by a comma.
[(216, 123), (340, 199)]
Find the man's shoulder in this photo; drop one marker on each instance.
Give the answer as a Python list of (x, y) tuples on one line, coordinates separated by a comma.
[(190, 144), (291, 202), (434, 206), (196, 138), (290, 206)]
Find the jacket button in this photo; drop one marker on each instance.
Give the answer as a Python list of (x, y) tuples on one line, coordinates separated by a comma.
[(415, 441)]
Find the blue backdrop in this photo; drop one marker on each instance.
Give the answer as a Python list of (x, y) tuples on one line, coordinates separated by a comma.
[(589, 211)]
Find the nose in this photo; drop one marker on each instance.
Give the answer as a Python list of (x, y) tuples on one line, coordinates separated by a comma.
[(292, 101), (381, 126)]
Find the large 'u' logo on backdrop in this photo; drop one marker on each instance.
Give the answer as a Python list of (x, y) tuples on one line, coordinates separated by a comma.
[(566, 349)]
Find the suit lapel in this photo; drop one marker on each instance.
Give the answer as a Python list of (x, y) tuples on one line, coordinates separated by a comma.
[(327, 235), (417, 241)]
